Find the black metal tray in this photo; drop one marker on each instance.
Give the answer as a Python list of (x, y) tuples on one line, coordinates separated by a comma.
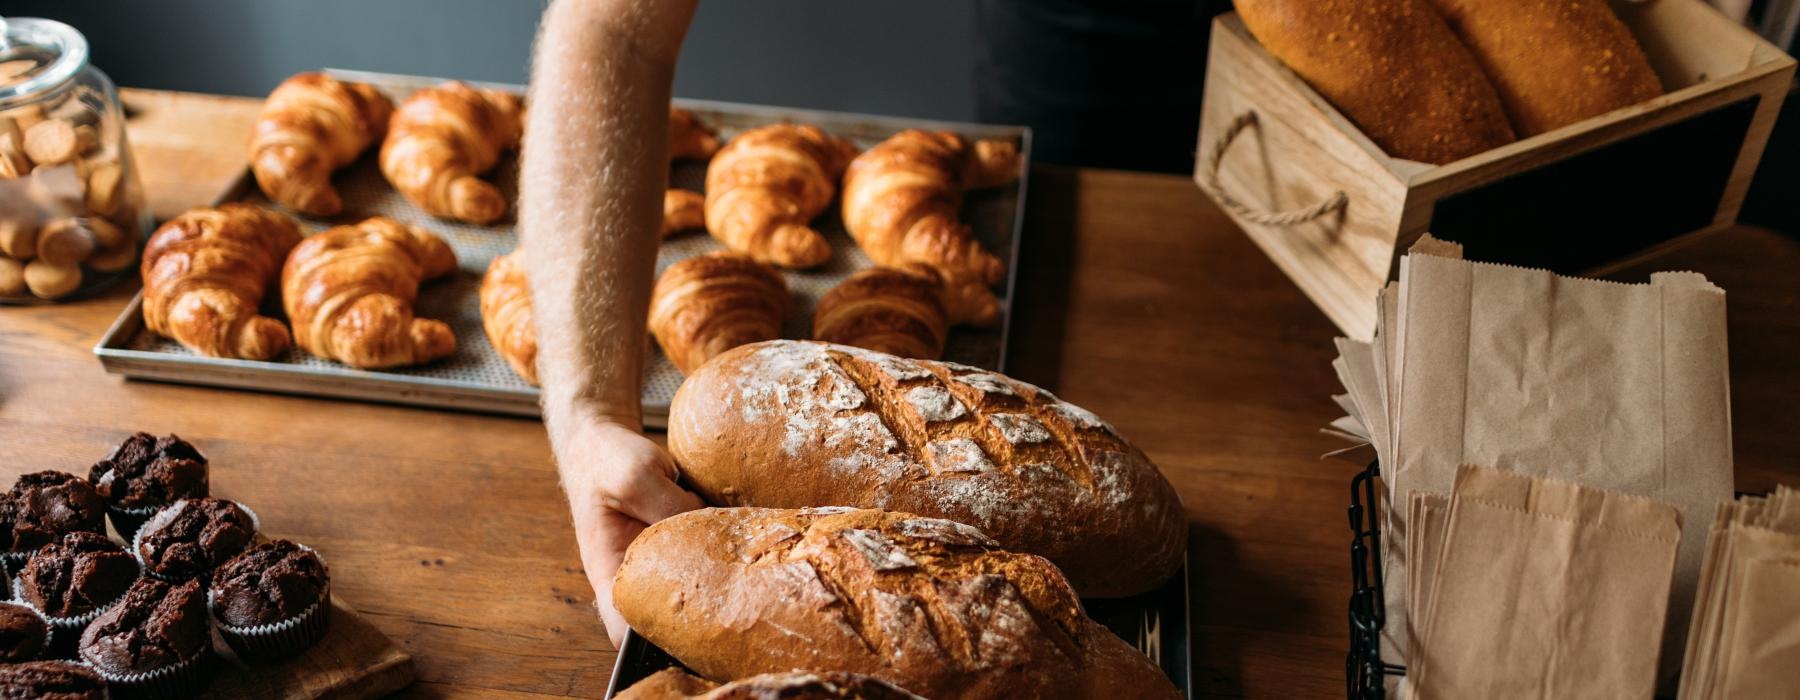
[(1156, 623)]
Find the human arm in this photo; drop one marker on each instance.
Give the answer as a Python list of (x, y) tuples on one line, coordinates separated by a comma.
[(595, 166)]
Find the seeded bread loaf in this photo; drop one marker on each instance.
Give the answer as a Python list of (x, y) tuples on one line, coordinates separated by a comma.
[(674, 684), (1392, 66), (794, 424), (1554, 62), (930, 605)]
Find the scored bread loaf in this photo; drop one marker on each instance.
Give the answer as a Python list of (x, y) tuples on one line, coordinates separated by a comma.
[(675, 684), (1554, 62), (792, 424), (1392, 66), (930, 605)]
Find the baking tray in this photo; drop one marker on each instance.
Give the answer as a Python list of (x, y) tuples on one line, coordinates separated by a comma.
[(475, 377), (1156, 623)]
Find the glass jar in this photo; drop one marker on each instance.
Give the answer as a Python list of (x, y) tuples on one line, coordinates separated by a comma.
[(72, 214)]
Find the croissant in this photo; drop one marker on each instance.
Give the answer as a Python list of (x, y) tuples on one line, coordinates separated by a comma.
[(506, 315), (707, 304), (689, 139), (893, 310), (349, 292), (205, 273), (900, 204), (766, 185), (439, 143), (682, 210), (311, 125)]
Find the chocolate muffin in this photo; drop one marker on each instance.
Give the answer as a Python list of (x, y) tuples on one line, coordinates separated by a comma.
[(43, 506), (51, 680), (154, 641), (146, 473), (23, 634), (76, 575), (269, 583), (194, 536), (273, 600)]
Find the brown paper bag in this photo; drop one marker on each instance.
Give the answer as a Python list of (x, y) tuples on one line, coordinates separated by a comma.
[(1745, 636), (1545, 589), (1615, 386), (1761, 656)]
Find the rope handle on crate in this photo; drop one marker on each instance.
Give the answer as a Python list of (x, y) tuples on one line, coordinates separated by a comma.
[(1209, 181)]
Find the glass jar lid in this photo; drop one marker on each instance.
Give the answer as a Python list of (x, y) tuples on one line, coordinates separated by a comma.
[(37, 55)]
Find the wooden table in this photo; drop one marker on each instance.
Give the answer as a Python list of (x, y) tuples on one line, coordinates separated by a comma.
[(1138, 299)]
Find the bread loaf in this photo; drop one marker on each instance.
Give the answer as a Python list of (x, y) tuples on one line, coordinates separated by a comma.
[(930, 605), (792, 424), (674, 684), (1554, 62), (1392, 66)]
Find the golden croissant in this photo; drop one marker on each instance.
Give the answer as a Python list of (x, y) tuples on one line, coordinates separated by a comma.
[(440, 142), (311, 125), (506, 315), (765, 187), (898, 311), (205, 273), (682, 210), (901, 200), (349, 292), (689, 139), (707, 304)]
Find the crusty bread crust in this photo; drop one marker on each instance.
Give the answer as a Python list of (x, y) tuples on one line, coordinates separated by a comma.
[(930, 605), (793, 424)]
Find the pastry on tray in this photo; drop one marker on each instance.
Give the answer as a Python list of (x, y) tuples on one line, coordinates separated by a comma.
[(311, 125), (205, 273), (675, 684), (792, 424), (439, 143), (764, 188), (349, 293), (901, 203), (707, 304), (899, 311), (689, 138), (683, 210), (506, 315), (933, 606)]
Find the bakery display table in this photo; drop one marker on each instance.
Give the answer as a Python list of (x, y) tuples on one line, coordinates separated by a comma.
[(1137, 299)]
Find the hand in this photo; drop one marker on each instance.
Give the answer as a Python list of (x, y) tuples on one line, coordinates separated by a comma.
[(619, 482)]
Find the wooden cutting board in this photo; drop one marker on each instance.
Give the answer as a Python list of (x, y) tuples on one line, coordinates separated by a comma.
[(354, 660)]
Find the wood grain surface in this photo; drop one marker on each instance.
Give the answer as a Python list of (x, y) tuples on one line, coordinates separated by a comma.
[(1137, 299)]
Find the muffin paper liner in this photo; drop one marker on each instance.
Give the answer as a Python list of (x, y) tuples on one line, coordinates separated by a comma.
[(280, 639), (182, 680), (15, 562), (65, 632), (128, 520), (144, 566)]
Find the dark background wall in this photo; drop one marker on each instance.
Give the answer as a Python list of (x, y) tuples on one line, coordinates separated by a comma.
[(906, 58)]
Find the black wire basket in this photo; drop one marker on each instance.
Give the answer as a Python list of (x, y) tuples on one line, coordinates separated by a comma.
[(1364, 672)]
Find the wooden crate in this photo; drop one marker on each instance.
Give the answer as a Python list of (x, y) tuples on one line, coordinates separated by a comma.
[(1335, 212)]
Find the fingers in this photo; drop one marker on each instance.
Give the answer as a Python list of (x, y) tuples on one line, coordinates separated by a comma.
[(602, 550)]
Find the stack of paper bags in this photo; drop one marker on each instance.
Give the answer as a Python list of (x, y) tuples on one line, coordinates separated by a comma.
[(1745, 640), (1619, 387), (1527, 587)]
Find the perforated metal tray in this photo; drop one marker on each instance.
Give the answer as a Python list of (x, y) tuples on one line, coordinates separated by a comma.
[(1155, 623), (475, 377)]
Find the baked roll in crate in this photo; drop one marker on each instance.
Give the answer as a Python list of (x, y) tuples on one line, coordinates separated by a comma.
[(1335, 211)]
